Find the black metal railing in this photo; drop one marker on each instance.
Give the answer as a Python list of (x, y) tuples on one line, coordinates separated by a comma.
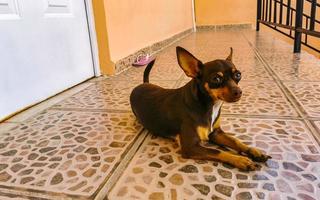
[(293, 21)]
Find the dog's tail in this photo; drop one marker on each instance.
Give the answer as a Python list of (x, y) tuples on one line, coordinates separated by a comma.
[(147, 71)]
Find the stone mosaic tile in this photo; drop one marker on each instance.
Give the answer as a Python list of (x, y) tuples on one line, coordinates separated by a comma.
[(317, 123), (65, 152), (308, 96), (287, 66), (295, 71), (317, 126), (159, 72), (20, 117), (106, 94), (212, 45), (259, 98), (276, 50), (247, 62), (252, 70), (158, 172)]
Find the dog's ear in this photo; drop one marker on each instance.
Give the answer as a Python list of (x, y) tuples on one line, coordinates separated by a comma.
[(190, 64), (230, 55)]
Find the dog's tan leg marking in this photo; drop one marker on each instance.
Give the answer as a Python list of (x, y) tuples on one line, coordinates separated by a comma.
[(203, 133), (203, 153), (191, 147), (227, 140)]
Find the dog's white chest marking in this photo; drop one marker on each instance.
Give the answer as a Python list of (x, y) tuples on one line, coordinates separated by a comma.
[(215, 117), (204, 132)]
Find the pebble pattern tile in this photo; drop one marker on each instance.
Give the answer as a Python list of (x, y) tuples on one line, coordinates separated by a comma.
[(317, 124), (71, 149), (259, 98), (64, 151), (296, 71), (158, 171), (106, 95), (308, 95), (158, 72), (286, 65)]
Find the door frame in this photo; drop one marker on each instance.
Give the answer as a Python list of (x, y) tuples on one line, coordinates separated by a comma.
[(92, 37)]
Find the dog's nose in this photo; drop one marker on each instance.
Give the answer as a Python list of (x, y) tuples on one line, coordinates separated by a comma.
[(237, 92)]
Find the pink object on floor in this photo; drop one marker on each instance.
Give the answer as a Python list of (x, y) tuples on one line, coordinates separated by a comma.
[(142, 60)]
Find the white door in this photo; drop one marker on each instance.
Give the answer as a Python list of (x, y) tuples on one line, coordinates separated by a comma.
[(44, 49)]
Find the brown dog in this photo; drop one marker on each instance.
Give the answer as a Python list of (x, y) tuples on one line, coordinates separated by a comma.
[(192, 112)]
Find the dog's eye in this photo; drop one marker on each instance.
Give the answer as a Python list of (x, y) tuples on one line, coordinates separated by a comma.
[(237, 76), (216, 80)]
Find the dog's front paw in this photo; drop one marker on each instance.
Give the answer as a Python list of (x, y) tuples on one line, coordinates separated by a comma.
[(244, 163), (257, 155)]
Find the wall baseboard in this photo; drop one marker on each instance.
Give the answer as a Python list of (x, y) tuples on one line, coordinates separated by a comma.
[(125, 63), (225, 27)]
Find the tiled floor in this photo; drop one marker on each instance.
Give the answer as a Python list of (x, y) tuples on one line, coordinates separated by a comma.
[(88, 145)]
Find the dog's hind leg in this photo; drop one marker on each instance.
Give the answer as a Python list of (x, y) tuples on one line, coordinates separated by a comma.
[(221, 138)]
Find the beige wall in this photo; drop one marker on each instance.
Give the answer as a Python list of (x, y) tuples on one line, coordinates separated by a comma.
[(218, 12), (135, 24)]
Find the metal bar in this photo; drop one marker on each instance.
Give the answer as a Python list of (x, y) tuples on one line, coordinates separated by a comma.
[(317, 4), (288, 12), (262, 15), (280, 13), (275, 12), (306, 31), (277, 30), (266, 13), (258, 15), (305, 15), (298, 24), (270, 10), (311, 47), (313, 14), (291, 14), (277, 25), (306, 35)]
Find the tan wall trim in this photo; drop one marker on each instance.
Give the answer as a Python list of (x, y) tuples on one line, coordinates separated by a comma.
[(107, 67)]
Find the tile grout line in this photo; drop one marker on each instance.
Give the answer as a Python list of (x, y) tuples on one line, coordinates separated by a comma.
[(291, 99), (89, 110), (223, 114), (122, 166), (262, 116), (48, 103)]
